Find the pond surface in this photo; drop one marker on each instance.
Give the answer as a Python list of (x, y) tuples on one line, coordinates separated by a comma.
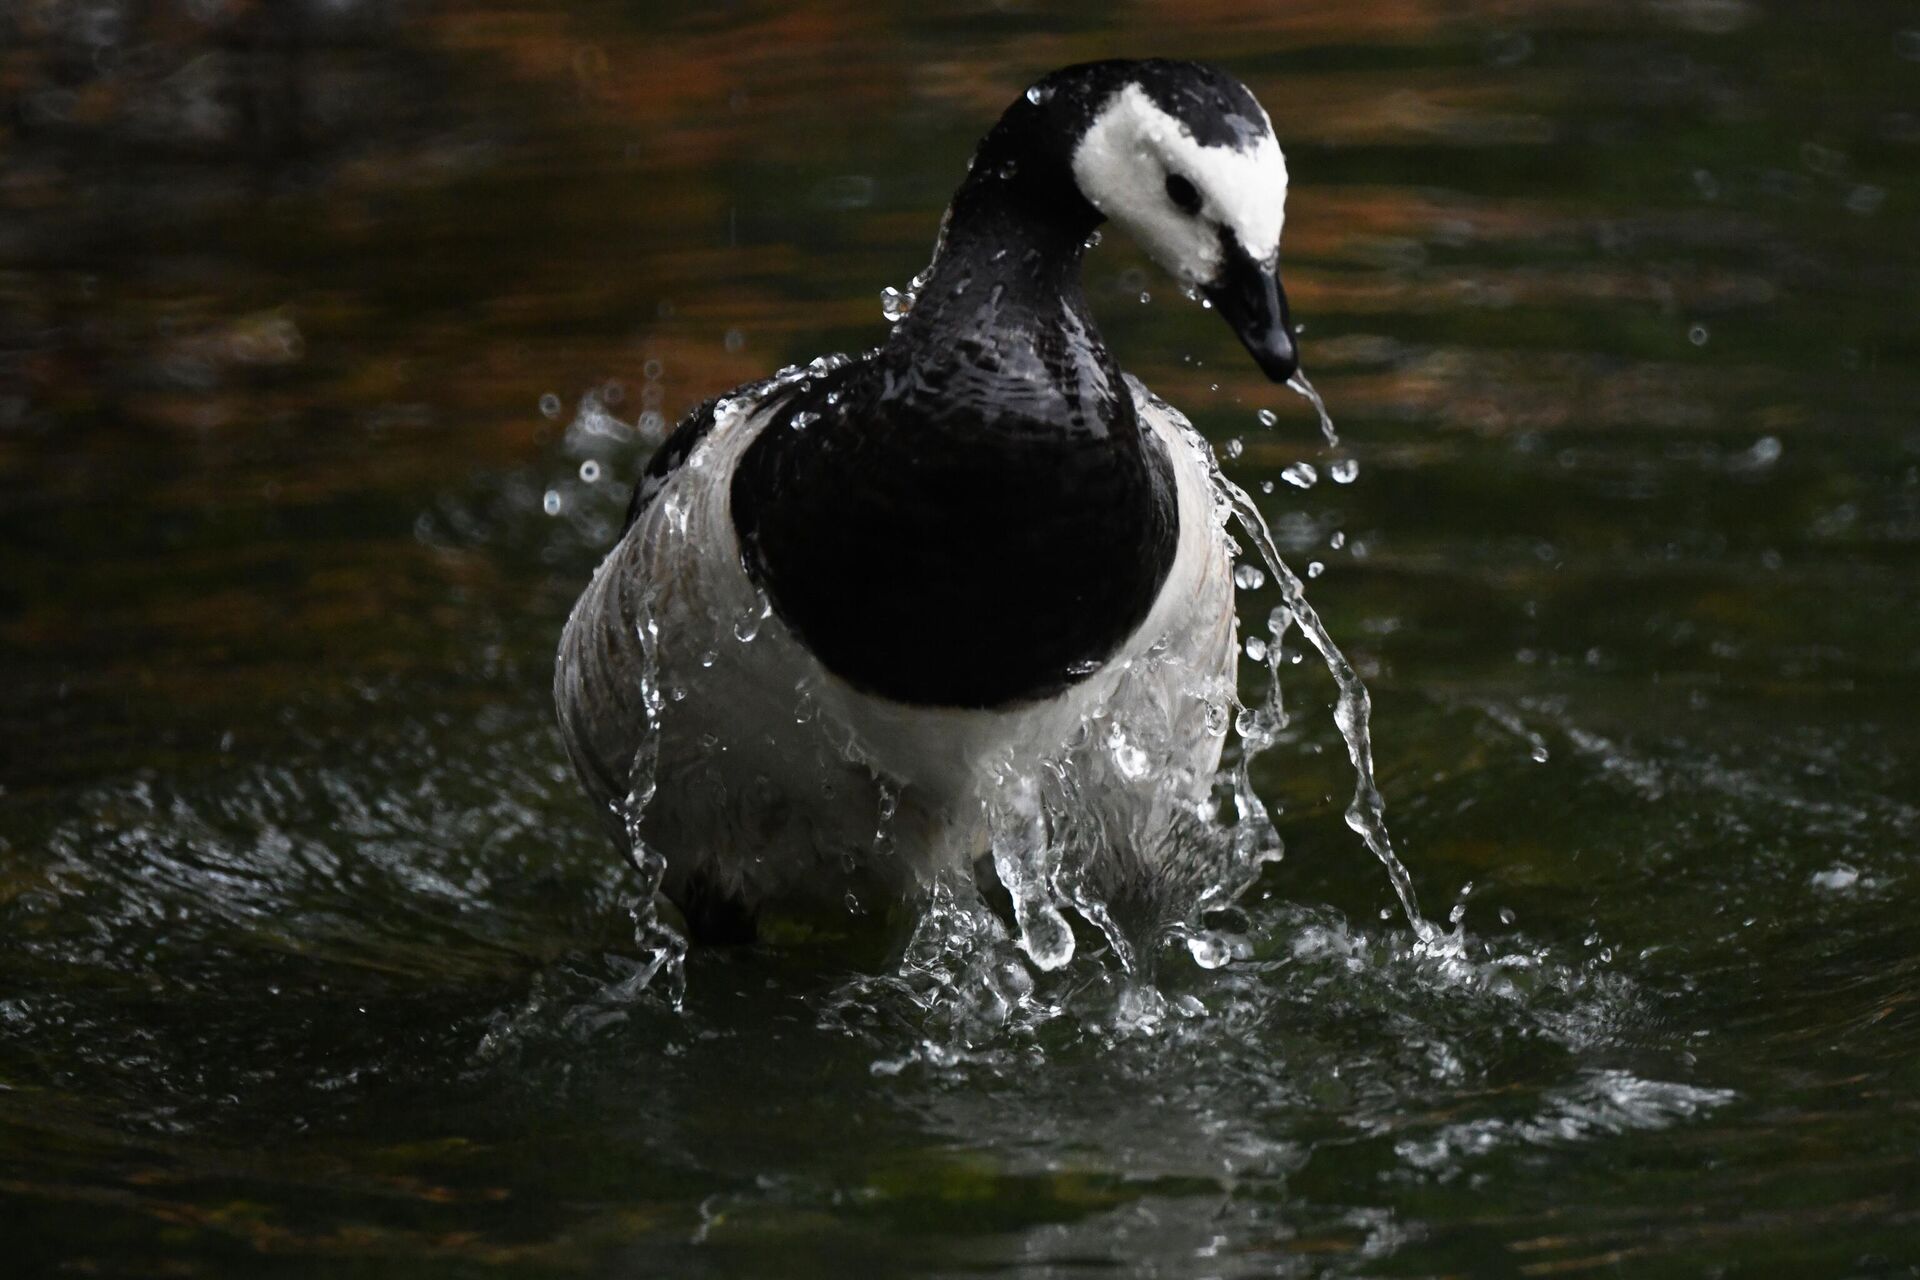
[(311, 953)]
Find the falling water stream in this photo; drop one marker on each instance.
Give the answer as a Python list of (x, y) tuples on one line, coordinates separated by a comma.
[(1352, 712)]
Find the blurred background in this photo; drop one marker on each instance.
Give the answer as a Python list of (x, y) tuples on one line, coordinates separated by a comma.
[(333, 333)]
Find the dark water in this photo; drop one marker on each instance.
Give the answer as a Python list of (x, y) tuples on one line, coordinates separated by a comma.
[(309, 954)]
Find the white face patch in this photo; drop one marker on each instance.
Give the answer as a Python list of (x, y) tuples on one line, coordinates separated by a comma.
[(1122, 164)]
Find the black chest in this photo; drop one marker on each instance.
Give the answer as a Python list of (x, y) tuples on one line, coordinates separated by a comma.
[(957, 532)]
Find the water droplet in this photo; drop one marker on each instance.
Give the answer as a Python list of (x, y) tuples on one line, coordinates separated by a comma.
[(1344, 471), (1038, 94), (1132, 760), (1232, 447), (895, 304), (1256, 649), (804, 419), (1539, 753), (747, 625), (1268, 418), (1315, 568), (590, 471), (709, 657), (735, 341), (1506, 915), (1301, 475), (1092, 241), (1339, 538), (1698, 335), (1256, 729), (551, 504), (1208, 950), (1249, 577), (549, 405), (1266, 486), (1145, 297)]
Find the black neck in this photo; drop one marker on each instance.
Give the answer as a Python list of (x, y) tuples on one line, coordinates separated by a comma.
[(1002, 319)]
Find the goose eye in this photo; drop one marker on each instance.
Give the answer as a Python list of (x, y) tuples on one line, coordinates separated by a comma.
[(1183, 194)]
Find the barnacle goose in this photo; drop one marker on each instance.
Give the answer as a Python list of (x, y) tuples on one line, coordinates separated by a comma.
[(863, 612)]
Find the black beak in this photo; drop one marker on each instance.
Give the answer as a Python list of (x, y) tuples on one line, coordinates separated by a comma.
[(1249, 297)]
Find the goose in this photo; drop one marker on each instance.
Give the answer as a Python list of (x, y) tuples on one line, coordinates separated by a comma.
[(960, 608)]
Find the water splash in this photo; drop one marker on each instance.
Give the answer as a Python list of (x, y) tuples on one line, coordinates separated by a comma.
[(1028, 864), (1118, 828)]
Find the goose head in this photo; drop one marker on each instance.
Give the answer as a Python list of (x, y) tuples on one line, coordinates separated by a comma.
[(1182, 157)]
